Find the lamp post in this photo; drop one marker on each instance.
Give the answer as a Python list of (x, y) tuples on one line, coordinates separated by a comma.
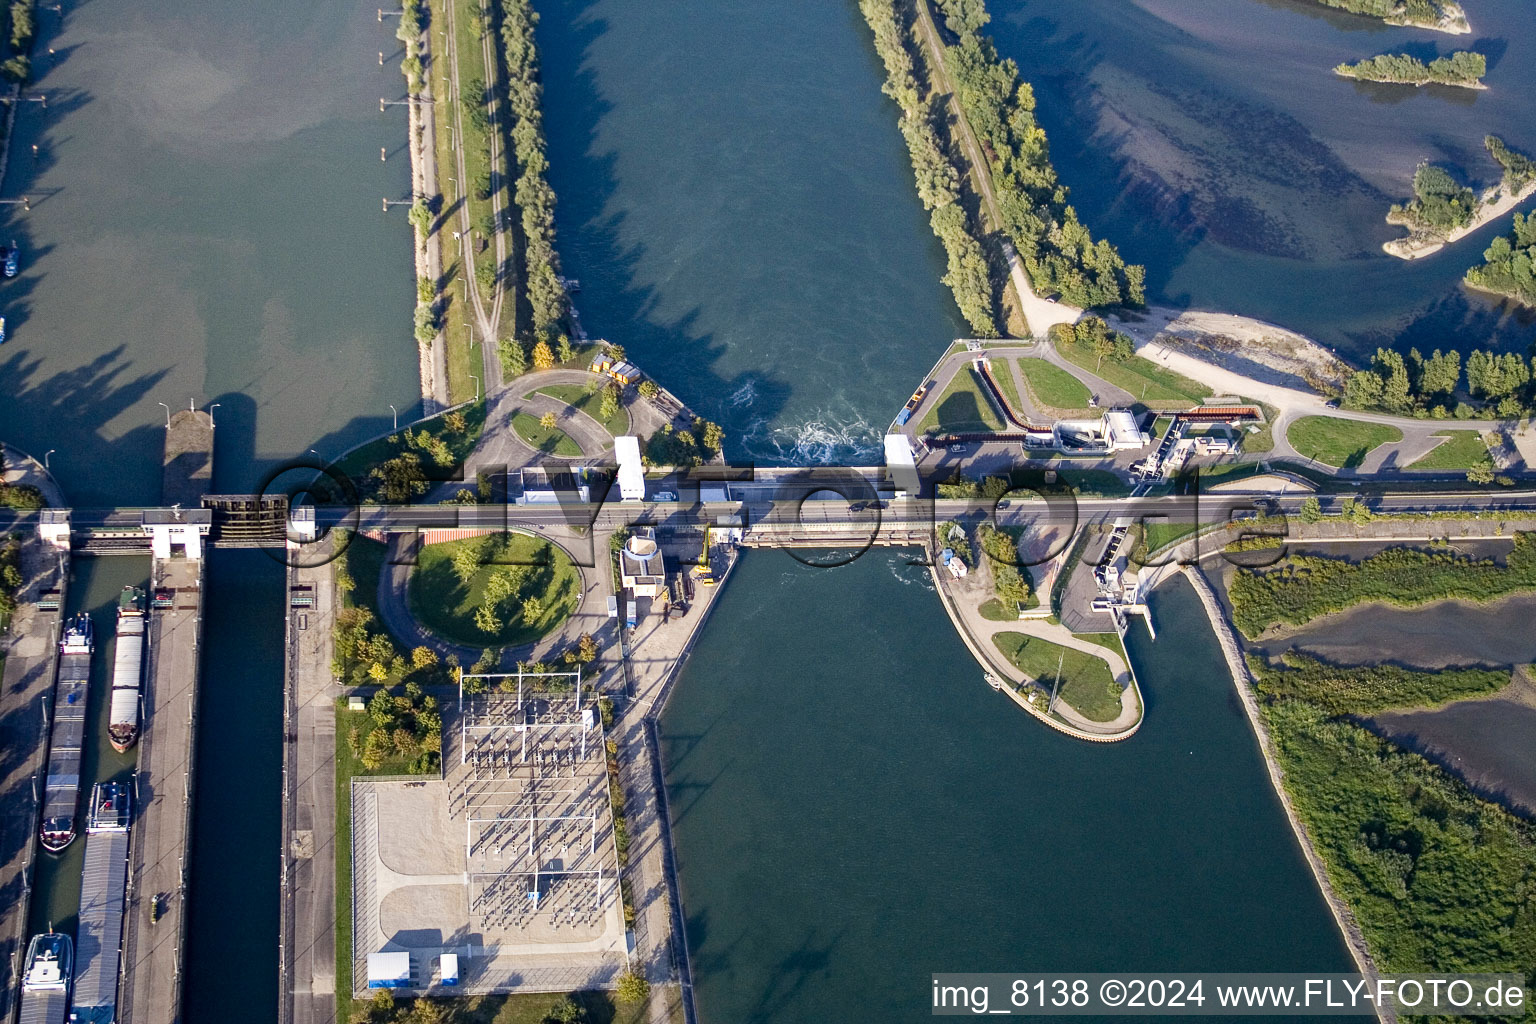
[(212, 407), (46, 467), (397, 416), (477, 386), (167, 414)]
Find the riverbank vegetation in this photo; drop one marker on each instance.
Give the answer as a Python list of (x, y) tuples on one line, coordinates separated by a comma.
[(1464, 68), (1509, 264), (1439, 14), (502, 590), (1438, 879), (523, 1008), (10, 580), (1060, 255), (1301, 588), (938, 172), (1086, 682), (1439, 203), (1429, 386), (20, 34), (543, 289), (1338, 442), (1367, 689), (695, 446)]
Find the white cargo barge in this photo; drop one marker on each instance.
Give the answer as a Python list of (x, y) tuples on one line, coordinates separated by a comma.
[(61, 791), (127, 669)]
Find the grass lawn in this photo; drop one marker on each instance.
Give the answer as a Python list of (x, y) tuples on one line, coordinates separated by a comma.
[(1086, 682), (964, 407), (577, 398), (1159, 532), (1004, 377), (1145, 380), (1338, 442), (1053, 386), (447, 607), (549, 440), (358, 463), (1463, 449), (993, 611)]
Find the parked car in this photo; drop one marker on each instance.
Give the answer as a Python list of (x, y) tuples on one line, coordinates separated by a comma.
[(957, 449)]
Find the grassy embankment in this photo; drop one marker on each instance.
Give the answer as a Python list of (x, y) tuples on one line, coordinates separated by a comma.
[(1086, 682), (448, 605), (472, 190), (1155, 386), (964, 407), (1439, 880), (1304, 587), (582, 400), (1052, 386), (1464, 448), (1339, 442)]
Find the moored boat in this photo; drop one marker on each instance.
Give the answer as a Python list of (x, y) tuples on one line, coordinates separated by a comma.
[(45, 985), (61, 791), (127, 669), (12, 259)]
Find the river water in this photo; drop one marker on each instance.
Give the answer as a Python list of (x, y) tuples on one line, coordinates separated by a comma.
[(1211, 141), (206, 225), (861, 810), (738, 206)]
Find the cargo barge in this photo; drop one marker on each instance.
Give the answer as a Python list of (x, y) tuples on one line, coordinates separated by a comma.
[(71, 694), (102, 886), (127, 669)]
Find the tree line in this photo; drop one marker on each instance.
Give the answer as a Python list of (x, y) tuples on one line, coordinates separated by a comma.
[(1464, 67), (1509, 264), (535, 199), (1301, 588), (1057, 249), (1442, 203), (1422, 385), (21, 23), (938, 176), (1403, 12)]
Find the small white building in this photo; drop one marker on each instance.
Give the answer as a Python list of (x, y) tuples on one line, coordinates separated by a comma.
[(642, 570), (952, 562)]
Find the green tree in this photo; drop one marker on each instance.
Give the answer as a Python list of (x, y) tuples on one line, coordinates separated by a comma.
[(486, 619), (420, 216), (648, 389), (375, 749), (423, 657), (1481, 471), (632, 987), (514, 360), (532, 609), (586, 648), (564, 350), (547, 421), (466, 562), (566, 1011), (1311, 510), (613, 396), (400, 478)]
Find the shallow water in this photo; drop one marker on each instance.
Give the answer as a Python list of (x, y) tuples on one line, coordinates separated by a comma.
[(1211, 141)]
